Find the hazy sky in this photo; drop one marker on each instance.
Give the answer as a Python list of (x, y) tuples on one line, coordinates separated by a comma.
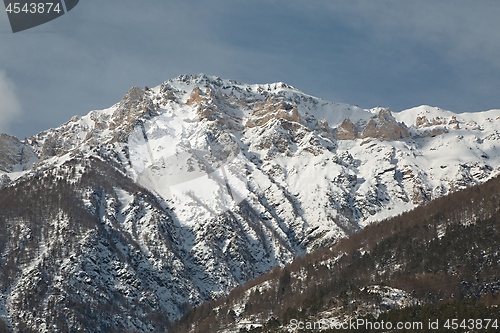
[(397, 53)]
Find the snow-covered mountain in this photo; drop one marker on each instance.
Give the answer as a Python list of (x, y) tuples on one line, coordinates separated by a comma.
[(188, 189)]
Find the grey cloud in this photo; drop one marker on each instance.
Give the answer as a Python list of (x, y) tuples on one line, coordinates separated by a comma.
[(391, 53), (464, 29)]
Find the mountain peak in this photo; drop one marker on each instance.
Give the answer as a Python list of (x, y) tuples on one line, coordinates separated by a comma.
[(189, 82), (178, 193)]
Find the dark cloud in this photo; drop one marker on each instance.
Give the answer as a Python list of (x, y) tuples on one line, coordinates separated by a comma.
[(391, 53)]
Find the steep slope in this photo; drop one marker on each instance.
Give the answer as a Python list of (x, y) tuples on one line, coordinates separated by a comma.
[(200, 184), (199, 132), (87, 248), (15, 157), (443, 256)]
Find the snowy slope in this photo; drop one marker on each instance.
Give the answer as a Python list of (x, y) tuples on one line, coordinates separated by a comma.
[(217, 181)]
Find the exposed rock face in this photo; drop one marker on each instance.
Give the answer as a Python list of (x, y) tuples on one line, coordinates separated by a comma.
[(204, 102), (13, 153), (131, 107), (274, 108), (9, 152), (347, 130), (385, 127), (382, 126), (323, 126), (454, 122), (195, 97), (423, 121)]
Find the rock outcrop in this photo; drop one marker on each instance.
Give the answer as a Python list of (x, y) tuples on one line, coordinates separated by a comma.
[(382, 126)]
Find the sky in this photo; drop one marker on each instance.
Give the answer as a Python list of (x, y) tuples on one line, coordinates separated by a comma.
[(397, 54)]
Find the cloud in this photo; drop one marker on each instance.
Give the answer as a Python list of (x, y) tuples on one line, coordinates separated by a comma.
[(10, 107), (464, 30), (389, 52)]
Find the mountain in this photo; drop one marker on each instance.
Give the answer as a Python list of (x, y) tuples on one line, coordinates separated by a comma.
[(433, 264), (124, 218)]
